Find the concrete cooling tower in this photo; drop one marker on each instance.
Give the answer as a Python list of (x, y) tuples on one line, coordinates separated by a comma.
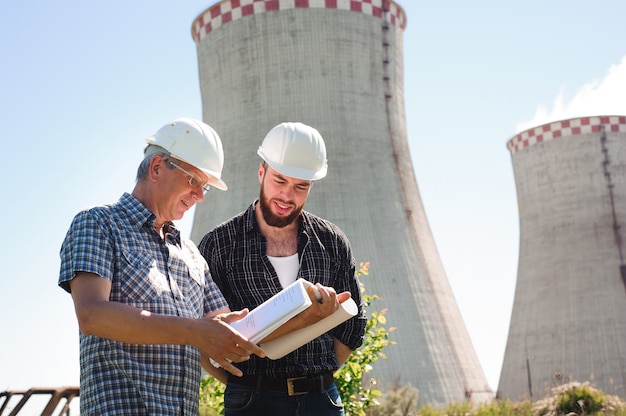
[(337, 65), (568, 320)]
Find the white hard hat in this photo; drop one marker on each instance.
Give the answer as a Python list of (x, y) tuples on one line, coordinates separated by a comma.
[(296, 150), (196, 143)]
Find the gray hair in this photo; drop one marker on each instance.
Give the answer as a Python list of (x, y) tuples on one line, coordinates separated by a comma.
[(150, 151)]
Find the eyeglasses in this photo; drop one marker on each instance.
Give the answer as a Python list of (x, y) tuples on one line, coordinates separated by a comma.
[(194, 182)]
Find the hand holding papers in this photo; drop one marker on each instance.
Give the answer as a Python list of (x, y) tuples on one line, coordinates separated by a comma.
[(271, 314), (280, 308), (282, 346)]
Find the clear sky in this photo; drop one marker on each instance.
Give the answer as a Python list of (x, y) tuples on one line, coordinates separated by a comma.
[(83, 83)]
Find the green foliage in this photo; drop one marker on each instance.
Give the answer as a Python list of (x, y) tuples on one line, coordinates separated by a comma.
[(504, 408), (211, 396), (428, 410), (576, 398), (580, 399), (397, 401), (572, 399), (458, 409), (355, 396), (358, 391)]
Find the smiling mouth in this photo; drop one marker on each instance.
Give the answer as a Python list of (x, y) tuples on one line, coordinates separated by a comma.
[(282, 206)]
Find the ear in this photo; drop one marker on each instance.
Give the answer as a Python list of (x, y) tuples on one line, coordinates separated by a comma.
[(156, 163), (261, 172)]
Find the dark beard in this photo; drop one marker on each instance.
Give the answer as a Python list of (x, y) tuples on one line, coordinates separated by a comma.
[(274, 220)]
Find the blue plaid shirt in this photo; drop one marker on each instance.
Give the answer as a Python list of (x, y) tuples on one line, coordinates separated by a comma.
[(235, 252), (169, 277)]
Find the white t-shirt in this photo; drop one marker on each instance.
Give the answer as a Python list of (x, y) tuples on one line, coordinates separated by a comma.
[(286, 268)]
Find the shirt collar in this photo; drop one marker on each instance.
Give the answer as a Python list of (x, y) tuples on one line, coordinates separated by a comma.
[(171, 232), (137, 212), (141, 216)]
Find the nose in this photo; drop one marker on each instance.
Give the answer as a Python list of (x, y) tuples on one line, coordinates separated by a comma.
[(288, 193), (198, 193)]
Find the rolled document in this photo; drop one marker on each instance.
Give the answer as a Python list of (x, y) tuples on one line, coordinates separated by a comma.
[(282, 346)]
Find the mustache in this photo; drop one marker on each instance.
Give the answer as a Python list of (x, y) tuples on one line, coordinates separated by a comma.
[(284, 202)]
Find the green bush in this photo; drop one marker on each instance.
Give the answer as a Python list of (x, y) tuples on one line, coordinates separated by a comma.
[(211, 396), (458, 409), (358, 391), (571, 399), (504, 408), (580, 399), (397, 401), (576, 398)]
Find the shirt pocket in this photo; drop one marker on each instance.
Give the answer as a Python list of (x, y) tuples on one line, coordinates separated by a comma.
[(197, 275), (195, 292), (142, 283)]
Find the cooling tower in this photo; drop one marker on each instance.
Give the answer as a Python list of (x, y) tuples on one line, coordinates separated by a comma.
[(337, 66), (568, 319)]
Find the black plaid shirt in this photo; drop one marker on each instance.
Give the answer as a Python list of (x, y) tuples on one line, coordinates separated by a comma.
[(235, 251)]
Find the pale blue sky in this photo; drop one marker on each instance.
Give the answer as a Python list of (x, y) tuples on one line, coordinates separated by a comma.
[(83, 83)]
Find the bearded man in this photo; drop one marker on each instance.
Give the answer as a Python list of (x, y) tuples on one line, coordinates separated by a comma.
[(262, 250)]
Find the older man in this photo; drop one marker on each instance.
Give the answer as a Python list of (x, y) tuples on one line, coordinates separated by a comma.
[(146, 305)]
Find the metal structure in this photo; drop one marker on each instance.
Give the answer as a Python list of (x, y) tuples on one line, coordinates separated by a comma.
[(568, 314), (338, 66), (59, 400)]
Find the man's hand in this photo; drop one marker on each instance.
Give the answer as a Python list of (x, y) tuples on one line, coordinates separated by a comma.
[(323, 304), (219, 341), (325, 301)]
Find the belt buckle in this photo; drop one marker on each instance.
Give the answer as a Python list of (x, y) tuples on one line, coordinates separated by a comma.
[(290, 387)]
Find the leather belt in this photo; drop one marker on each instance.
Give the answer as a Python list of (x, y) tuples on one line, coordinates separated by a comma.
[(293, 386)]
